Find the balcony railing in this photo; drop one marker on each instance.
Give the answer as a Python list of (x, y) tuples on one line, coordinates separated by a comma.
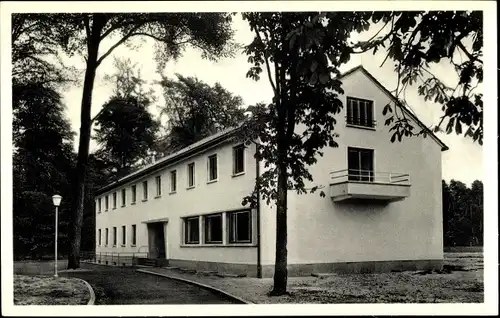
[(358, 175)]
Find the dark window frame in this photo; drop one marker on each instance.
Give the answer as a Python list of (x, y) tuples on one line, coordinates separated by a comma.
[(363, 160), (134, 235), (212, 169), (124, 197), (187, 224), (208, 219), (191, 175), (124, 235), (158, 185), (236, 157), (115, 195), (173, 181), (232, 218), (134, 193), (145, 193), (360, 112), (115, 234)]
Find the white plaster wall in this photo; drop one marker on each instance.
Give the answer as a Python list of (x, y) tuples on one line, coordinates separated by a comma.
[(225, 194), (321, 231)]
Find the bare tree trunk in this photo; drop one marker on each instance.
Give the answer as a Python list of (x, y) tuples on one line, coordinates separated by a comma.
[(280, 266), (83, 147)]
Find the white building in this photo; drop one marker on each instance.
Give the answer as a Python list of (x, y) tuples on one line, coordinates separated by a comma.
[(382, 210)]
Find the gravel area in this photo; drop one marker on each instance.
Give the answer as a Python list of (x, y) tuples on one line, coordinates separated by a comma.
[(461, 281), (48, 290)]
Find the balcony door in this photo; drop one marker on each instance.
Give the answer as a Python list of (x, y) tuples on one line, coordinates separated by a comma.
[(360, 164)]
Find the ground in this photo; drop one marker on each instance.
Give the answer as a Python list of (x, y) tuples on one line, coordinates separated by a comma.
[(460, 282), (117, 285), (48, 290)]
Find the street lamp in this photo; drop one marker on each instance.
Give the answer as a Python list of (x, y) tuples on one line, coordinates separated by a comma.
[(56, 199)]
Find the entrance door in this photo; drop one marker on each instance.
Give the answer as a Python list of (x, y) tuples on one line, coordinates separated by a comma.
[(156, 238)]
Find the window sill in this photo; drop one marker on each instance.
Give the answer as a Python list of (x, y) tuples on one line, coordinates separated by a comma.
[(106, 210), (238, 174), (361, 127), (123, 245), (220, 245), (212, 181), (144, 200), (114, 208), (133, 245), (158, 196), (133, 203), (114, 245), (173, 192), (191, 187), (123, 206)]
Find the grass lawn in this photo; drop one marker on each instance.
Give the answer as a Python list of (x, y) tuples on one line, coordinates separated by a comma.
[(48, 290), (460, 282)]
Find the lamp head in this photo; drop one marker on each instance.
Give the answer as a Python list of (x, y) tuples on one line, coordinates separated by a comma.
[(56, 199)]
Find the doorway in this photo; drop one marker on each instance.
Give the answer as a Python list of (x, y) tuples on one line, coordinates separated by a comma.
[(157, 238)]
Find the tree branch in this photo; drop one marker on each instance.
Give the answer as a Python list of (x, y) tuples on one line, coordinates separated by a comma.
[(470, 56), (266, 60), (118, 43)]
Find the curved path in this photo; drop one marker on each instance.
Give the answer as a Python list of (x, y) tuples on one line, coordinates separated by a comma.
[(125, 286)]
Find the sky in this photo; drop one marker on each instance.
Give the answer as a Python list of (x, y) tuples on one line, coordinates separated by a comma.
[(463, 161)]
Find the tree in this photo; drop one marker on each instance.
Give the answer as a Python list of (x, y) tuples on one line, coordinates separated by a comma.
[(83, 34), (42, 165), (300, 52), (463, 213), (418, 40), (196, 110), (126, 131)]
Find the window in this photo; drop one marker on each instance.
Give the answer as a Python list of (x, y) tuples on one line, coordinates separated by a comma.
[(173, 181), (192, 230), (144, 190), (124, 197), (114, 235), (240, 227), (134, 194), (124, 235), (99, 237), (360, 164), (213, 229), (212, 168), (107, 237), (114, 200), (158, 186), (134, 234), (106, 203), (190, 170), (239, 159), (99, 205), (360, 112)]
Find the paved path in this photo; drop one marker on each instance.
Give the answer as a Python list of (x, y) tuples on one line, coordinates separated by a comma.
[(114, 285)]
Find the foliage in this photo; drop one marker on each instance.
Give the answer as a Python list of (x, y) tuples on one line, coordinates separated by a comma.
[(300, 51), (419, 40), (463, 213), (196, 110), (125, 129), (42, 166)]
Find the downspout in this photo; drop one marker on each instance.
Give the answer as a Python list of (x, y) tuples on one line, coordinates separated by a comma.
[(259, 265)]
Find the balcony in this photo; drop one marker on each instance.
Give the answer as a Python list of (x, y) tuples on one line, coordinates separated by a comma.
[(349, 185)]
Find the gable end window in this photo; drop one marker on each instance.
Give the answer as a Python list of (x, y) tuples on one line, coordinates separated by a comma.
[(360, 112)]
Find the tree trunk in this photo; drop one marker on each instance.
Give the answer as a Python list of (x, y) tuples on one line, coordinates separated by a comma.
[(280, 266), (83, 152)]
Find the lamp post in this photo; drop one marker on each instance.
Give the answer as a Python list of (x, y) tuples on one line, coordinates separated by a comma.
[(56, 199)]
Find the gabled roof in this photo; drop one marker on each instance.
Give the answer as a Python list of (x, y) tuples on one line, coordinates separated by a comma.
[(224, 135), (397, 102)]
